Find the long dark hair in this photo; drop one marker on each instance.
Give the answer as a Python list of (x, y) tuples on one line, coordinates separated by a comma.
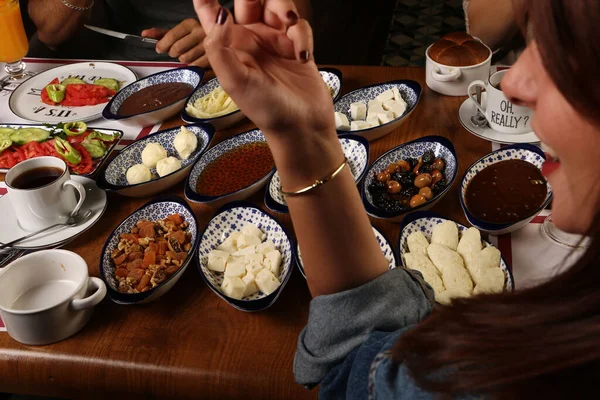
[(542, 342)]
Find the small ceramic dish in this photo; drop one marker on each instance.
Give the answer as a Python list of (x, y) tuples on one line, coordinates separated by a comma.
[(356, 150), (154, 210), (222, 122), (441, 147), (231, 218), (211, 155), (113, 178), (425, 221), (333, 80), (190, 75), (525, 152), (409, 90), (385, 245)]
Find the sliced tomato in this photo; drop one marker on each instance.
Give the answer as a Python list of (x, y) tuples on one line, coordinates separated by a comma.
[(78, 139), (44, 94), (85, 166)]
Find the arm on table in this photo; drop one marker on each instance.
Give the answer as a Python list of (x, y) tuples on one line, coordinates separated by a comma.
[(55, 22), (492, 21)]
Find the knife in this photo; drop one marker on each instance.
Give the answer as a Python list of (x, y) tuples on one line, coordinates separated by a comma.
[(134, 39)]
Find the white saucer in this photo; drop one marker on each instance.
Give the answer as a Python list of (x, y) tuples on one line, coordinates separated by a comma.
[(10, 230), (467, 109)]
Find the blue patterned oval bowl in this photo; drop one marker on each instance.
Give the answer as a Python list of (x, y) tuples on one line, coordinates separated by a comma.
[(333, 79), (409, 90), (441, 147), (525, 152), (154, 210), (425, 221), (190, 75), (385, 245), (231, 218), (113, 178), (212, 154), (222, 122), (356, 150)]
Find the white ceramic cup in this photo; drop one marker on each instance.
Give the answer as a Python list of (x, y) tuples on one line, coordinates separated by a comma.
[(44, 296), (47, 205), (502, 115)]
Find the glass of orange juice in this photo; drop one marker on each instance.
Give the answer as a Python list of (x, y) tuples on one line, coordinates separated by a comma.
[(13, 43)]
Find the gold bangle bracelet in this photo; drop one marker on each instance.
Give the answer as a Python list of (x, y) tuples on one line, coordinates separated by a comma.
[(318, 183)]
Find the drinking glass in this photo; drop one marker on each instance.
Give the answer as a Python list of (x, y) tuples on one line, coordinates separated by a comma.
[(13, 44), (563, 238)]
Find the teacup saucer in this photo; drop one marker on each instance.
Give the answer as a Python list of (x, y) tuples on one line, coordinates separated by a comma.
[(10, 230), (467, 109)]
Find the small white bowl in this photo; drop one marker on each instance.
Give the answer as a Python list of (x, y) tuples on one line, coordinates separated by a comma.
[(113, 178), (231, 218), (409, 90), (333, 80), (190, 75), (356, 150), (212, 154)]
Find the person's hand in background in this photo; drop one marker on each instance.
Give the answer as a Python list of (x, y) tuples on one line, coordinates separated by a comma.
[(184, 42)]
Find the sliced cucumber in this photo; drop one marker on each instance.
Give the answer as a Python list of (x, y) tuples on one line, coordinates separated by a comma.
[(6, 132), (108, 83), (5, 144), (74, 128), (72, 81), (26, 135)]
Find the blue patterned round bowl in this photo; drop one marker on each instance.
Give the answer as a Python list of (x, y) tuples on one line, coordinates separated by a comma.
[(356, 150), (385, 245), (212, 154), (333, 80), (230, 218), (425, 221), (113, 177), (442, 148), (222, 122), (409, 90), (525, 152), (190, 75), (154, 210)]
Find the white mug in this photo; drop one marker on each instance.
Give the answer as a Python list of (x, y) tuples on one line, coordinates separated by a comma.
[(41, 207), (502, 115), (47, 296)]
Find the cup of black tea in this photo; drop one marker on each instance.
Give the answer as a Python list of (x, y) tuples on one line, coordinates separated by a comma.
[(42, 192)]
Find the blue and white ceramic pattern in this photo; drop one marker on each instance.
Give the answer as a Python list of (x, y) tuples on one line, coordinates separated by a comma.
[(442, 148), (114, 176), (333, 80), (222, 122), (231, 218), (525, 152), (190, 75), (425, 222), (409, 90), (154, 210), (212, 154), (384, 244), (356, 150)]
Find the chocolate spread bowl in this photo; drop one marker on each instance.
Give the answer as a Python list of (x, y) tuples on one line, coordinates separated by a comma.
[(153, 106)]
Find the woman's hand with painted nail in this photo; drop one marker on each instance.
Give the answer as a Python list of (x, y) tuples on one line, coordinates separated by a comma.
[(184, 42), (264, 62)]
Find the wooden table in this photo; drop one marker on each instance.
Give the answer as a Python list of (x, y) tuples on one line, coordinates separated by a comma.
[(190, 343)]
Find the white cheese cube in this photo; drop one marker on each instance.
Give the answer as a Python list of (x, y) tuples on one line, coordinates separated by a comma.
[(383, 118), (273, 262), (217, 260), (388, 104), (250, 258), (230, 243), (245, 251), (233, 287), (397, 95), (358, 111), (385, 96), (250, 283), (266, 282), (252, 230), (397, 108), (341, 122), (235, 269), (254, 268), (265, 247), (374, 103), (373, 121), (375, 107), (247, 241), (359, 125)]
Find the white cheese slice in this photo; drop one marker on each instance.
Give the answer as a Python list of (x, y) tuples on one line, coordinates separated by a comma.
[(375, 107), (397, 95), (358, 111), (254, 268), (341, 122), (359, 125), (373, 121), (397, 108), (266, 282), (265, 247), (385, 96), (236, 269), (217, 260), (247, 241), (230, 243), (383, 118), (250, 258), (250, 283), (233, 287), (273, 262), (252, 230), (245, 251)]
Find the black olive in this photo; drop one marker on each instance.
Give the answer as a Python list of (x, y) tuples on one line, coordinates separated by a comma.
[(428, 157), (425, 169), (439, 186), (409, 191), (412, 162), (406, 178), (377, 186)]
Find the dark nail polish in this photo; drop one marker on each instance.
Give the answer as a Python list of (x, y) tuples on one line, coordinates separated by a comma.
[(222, 16), (292, 17), (304, 55)]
